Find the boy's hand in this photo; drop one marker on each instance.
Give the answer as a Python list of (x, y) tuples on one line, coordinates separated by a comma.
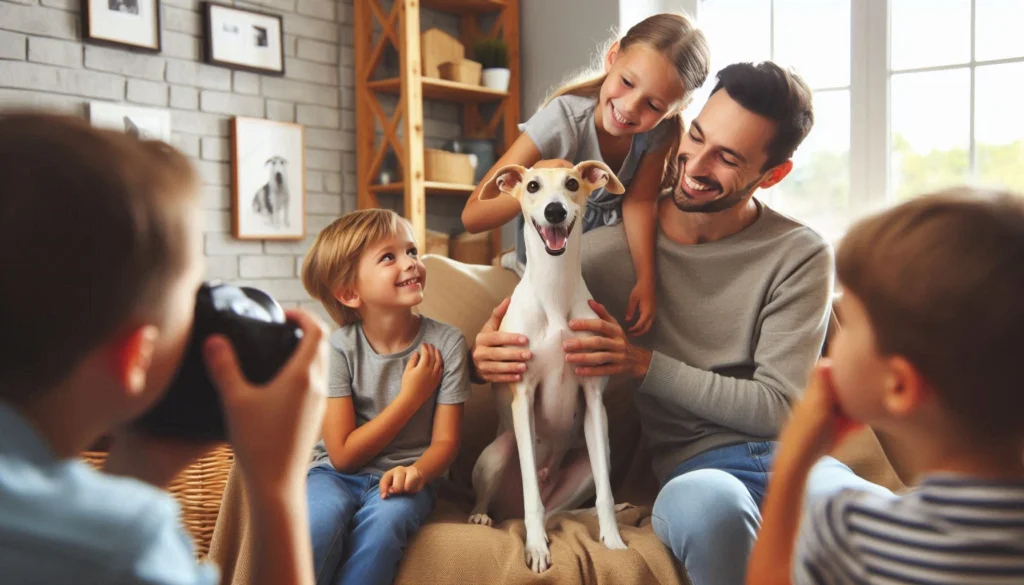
[(423, 373), (641, 307), (401, 480), (817, 423), (273, 427)]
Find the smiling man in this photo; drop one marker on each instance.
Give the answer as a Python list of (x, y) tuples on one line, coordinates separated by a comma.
[(744, 296)]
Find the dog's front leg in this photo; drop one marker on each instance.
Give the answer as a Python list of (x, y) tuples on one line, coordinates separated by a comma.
[(538, 557), (595, 428)]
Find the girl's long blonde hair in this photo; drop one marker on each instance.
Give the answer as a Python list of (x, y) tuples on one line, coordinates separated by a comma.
[(681, 42)]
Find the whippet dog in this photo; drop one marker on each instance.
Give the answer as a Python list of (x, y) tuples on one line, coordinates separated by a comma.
[(541, 414)]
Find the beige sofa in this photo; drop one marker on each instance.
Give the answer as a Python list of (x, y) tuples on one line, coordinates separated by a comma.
[(447, 550)]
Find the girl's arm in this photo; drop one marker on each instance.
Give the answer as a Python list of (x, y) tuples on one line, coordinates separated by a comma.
[(480, 216), (639, 217)]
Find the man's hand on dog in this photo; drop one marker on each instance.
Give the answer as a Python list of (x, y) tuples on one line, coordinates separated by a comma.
[(493, 362), (608, 352)]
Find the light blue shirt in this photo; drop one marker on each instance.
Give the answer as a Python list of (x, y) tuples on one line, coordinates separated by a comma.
[(61, 521)]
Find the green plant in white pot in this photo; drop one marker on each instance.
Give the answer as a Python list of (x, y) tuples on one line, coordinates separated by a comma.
[(492, 54)]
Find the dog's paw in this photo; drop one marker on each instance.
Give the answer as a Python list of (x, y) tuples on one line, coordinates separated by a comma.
[(538, 557), (481, 519), (613, 540)]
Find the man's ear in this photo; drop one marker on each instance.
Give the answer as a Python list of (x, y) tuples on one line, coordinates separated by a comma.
[(504, 181), (133, 354), (348, 297), (776, 174), (596, 174), (609, 57), (906, 390)]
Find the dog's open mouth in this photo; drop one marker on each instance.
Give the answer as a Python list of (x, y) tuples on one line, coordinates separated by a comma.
[(554, 237)]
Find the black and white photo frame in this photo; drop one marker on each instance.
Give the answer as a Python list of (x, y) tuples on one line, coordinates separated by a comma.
[(133, 24), (268, 161), (244, 39)]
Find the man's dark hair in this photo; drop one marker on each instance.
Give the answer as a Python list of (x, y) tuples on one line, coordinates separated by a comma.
[(779, 95)]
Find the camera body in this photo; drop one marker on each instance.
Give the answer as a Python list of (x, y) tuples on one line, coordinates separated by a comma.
[(255, 325)]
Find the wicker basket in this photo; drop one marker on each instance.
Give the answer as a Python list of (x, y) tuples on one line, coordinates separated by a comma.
[(198, 490)]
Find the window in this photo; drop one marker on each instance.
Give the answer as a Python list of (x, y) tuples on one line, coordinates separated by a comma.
[(909, 95)]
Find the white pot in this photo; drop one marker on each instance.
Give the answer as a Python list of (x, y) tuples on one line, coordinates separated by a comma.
[(496, 79)]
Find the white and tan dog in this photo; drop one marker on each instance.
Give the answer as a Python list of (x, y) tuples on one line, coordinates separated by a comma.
[(541, 415)]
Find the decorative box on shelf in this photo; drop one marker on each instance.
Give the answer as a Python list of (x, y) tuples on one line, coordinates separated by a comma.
[(462, 71), (447, 167), (472, 248), (437, 243), (439, 47)]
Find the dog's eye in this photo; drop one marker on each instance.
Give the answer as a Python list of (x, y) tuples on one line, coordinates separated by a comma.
[(533, 186), (572, 185)]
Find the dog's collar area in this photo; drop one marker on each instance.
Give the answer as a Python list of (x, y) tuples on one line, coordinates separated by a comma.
[(565, 241)]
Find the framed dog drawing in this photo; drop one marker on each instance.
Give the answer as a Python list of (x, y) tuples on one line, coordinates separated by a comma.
[(269, 170)]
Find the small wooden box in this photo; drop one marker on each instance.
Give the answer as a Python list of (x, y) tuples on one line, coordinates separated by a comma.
[(447, 167), (462, 71), (437, 243), (472, 248), (439, 47)]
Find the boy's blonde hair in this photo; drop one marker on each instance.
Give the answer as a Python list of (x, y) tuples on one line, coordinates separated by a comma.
[(332, 262), (677, 38), (93, 230), (942, 279)]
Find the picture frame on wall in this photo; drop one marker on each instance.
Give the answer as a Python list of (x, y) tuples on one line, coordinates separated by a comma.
[(133, 24), (143, 123), (244, 39), (268, 161)]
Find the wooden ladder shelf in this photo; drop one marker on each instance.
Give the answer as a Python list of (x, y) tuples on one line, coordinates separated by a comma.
[(400, 26)]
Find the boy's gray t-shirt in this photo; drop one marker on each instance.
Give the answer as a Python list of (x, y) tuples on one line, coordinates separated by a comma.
[(565, 129), (374, 381)]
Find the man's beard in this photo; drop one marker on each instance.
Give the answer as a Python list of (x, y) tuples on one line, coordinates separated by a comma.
[(685, 204)]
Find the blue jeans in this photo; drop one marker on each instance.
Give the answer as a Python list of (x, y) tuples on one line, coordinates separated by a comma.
[(708, 511), (357, 536)]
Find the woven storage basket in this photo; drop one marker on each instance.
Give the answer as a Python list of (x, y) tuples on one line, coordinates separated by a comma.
[(198, 489)]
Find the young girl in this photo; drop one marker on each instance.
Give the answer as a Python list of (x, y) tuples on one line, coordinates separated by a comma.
[(395, 394), (616, 117)]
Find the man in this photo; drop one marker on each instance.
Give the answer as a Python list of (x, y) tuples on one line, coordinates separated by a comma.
[(743, 304)]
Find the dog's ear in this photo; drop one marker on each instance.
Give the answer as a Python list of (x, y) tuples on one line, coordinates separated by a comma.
[(596, 174), (503, 181)]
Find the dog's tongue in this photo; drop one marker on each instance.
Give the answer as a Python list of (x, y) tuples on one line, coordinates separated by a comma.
[(554, 237)]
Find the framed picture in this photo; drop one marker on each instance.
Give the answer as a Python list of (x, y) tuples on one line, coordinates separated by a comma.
[(269, 167), (123, 23), (243, 39), (144, 123)]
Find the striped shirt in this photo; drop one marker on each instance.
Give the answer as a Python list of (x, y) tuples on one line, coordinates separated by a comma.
[(951, 530)]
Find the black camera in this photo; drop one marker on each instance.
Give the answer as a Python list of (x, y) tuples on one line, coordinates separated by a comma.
[(262, 338)]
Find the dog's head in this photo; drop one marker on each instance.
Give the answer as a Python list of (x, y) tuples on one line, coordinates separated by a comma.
[(277, 166), (552, 195)]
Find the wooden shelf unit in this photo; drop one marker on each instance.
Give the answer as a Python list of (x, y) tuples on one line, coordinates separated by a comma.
[(400, 27)]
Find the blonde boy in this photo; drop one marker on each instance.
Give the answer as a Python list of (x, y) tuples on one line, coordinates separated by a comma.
[(394, 412), (100, 248), (929, 354)]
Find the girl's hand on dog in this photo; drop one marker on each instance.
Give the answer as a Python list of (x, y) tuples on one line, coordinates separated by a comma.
[(500, 356), (401, 480), (641, 307), (423, 373)]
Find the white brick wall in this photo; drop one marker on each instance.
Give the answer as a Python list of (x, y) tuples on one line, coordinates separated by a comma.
[(44, 63)]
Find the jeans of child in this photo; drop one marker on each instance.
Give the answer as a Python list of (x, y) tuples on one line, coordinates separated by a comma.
[(708, 511), (358, 537)]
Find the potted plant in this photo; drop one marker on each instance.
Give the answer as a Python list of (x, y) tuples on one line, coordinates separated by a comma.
[(492, 54)]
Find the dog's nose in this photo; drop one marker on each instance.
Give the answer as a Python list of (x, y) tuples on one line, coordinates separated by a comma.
[(555, 212)]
